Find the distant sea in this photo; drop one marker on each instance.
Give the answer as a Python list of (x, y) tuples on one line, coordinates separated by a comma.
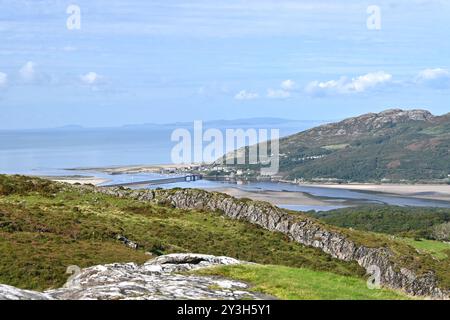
[(50, 151)]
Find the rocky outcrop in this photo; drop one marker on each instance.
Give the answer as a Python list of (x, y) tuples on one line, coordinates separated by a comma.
[(127, 242), (12, 293), (301, 229), (371, 121), (158, 279)]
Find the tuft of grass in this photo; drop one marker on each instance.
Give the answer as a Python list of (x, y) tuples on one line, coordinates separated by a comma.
[(289, 283)]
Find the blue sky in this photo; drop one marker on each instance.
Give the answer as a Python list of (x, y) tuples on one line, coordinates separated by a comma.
[(165, 61)]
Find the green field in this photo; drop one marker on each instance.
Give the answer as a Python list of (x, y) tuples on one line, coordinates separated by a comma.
[(301, 284), (439, 250)]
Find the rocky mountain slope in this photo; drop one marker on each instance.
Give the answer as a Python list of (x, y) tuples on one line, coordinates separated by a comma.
[(157, 279), (394, 145)]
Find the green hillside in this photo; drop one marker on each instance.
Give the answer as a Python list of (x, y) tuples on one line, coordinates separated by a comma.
[(393, 145), (46, 226)]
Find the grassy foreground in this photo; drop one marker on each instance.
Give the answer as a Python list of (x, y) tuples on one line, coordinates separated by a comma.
[(301, 284), (46, 226)]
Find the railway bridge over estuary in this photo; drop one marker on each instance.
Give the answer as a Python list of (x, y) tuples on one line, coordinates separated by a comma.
[(185, 178)]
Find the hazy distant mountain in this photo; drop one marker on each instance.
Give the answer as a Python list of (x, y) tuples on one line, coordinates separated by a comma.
[(241, 123), (220, 124)]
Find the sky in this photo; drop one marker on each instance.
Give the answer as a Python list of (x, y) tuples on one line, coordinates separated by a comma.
[(110, 63)]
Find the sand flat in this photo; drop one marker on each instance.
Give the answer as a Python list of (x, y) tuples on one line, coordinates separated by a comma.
[(275, 197), (424, 191), (81, 180)]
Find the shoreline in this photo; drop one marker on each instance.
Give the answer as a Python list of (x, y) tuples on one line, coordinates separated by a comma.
[(439, 192)]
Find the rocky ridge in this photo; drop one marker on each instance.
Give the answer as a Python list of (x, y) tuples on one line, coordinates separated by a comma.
[(301, 229), (371, 121), (158, 279)]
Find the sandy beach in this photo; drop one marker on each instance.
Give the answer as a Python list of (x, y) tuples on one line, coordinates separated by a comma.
[(77, 179), (424, 191)]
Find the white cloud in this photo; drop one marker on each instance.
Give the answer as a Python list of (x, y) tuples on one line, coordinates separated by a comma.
[(27, 72), (278, 94), (245, 95), (430, 74), (435, 78), (3, 79), (368, 81), (288, 85), (90, 78), (346, 86)]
